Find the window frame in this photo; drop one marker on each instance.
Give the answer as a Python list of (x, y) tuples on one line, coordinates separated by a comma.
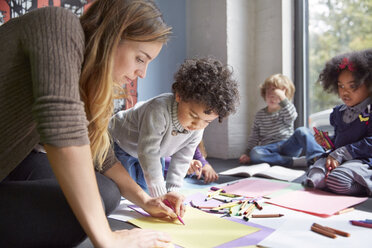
[(301, 59)]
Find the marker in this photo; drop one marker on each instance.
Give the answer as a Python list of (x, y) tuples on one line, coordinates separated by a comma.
[(227, 205), (359, 223), (257, 205), (266, 215), (166, 202), (215, 189), (229, 195), (211, 194)]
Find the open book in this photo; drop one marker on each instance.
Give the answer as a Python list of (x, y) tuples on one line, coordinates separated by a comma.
[(264, 170)]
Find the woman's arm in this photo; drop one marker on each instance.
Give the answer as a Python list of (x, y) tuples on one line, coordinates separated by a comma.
[(74, 171), (73, 168), (134, 193)]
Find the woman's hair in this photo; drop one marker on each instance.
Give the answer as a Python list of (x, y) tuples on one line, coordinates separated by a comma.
[(105, 24), (208, 82), (279, 81), (358, 62)]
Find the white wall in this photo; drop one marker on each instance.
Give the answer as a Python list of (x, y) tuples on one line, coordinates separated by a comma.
[(206, 35), (255, 38)]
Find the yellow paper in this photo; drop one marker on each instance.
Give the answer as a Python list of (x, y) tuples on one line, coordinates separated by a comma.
[(201, 230)]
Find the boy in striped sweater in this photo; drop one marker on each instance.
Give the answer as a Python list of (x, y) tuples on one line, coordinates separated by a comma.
[(273, 139)]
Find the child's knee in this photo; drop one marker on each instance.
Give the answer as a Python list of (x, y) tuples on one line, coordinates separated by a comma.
[(342, 183), (255, 155), (302, 131)]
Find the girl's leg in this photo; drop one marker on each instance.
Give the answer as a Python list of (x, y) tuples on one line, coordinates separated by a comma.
[(34, 211), (348, 178), (316, 174), (269, 154)]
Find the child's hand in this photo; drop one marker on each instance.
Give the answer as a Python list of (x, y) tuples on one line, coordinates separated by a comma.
[(280, 93), (195, 168), (209, 174), (331, 163), (244, 159), (319, 139)]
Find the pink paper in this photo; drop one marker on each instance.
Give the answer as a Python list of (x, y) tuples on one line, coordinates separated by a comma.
[(316, 202), (254, 187)]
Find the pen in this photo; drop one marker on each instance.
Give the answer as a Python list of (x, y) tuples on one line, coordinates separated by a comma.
[(166, 202), (266, 215)]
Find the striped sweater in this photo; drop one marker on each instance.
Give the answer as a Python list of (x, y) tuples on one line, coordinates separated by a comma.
[(272, 127)]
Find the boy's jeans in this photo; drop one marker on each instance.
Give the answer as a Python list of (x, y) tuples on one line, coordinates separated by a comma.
[(282, 152), (132, 165)]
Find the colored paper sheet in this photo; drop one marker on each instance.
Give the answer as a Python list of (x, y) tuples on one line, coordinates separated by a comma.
[(254, 187), (201, 230), (317, 202), (198, 199), (252, 239)]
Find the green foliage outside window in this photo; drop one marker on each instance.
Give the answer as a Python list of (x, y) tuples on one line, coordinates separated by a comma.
[(335, 27)]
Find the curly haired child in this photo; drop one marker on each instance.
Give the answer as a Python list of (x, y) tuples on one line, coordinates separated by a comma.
[(347, 169), (172, 124), (272, 138)]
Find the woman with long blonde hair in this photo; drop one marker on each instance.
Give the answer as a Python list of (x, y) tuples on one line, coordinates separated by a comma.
[(59, 76)]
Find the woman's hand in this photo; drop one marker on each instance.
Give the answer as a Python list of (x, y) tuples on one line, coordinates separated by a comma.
[(157, 208), (195, 168), (140, 238), (244, 159), (209, 174)]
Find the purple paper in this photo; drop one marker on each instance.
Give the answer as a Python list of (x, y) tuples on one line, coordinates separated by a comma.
[(139, 210), (198, 199), (251, 239)]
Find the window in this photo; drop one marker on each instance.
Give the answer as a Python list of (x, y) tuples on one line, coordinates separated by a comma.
[(334, 27)]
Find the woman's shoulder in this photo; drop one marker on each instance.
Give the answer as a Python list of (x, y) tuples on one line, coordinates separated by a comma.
[(52, 18), (51, 11)]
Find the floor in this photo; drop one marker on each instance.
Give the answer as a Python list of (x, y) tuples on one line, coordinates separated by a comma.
[(219, 165)]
